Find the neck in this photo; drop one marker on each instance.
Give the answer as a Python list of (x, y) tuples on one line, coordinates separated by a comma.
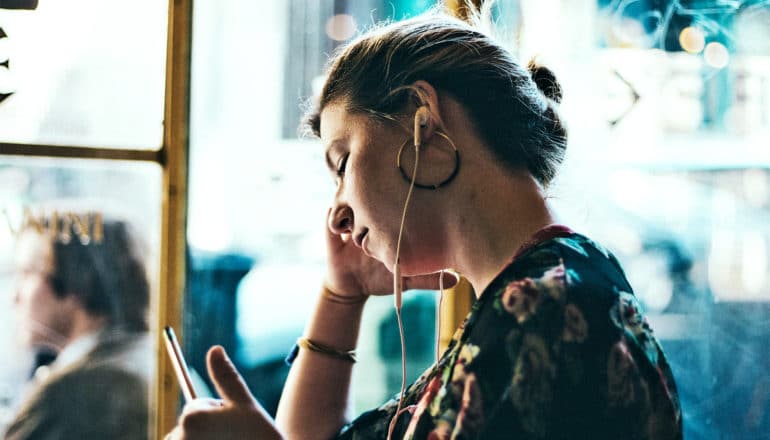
[(83, 323), (494, 224)]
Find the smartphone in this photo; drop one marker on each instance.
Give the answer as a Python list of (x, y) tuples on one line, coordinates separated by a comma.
[(180, 366)]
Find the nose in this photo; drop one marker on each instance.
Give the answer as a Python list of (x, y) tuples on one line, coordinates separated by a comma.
[(341, 219)]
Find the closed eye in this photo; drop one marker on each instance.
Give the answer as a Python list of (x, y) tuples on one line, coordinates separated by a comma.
[(341, 165)]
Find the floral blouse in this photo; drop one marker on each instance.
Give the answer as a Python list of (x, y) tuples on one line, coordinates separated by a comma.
[(555, 347)]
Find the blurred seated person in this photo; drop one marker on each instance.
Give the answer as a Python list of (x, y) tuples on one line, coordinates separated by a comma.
[(83, 293)]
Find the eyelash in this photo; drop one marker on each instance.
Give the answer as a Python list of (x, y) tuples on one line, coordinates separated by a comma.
[(341, 167)]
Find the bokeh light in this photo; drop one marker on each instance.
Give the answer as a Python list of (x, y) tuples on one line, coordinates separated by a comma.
[(692, 39), (716, 55), (341, 27)]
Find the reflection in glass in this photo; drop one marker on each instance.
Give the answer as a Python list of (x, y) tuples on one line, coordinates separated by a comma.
[(78, 249), (83, 73)]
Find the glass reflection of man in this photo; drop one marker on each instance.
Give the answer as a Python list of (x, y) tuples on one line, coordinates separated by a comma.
[(83, 292)]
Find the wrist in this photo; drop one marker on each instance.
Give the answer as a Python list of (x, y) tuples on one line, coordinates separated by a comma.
[(329, 295), (348, 355)]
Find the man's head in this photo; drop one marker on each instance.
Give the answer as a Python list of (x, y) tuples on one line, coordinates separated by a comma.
[(64, 277)]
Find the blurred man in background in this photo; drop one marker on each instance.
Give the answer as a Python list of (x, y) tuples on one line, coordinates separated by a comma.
[(82, 291)]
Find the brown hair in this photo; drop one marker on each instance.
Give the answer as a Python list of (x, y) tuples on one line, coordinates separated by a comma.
[(106, 273), (512, 108)]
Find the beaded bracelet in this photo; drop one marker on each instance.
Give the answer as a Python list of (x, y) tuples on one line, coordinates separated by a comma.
[(349, 356)]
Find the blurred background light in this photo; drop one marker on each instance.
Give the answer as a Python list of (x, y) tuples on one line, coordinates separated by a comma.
[(756, 187), (754, 262), (628, 32), (692, 39), (341, 27), (721, 263), (716, 55)]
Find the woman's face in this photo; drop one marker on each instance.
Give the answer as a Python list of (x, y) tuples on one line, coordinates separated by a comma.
[(43, 317), (370, 195)]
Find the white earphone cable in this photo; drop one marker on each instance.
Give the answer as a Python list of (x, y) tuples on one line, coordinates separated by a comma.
[(397, 291)]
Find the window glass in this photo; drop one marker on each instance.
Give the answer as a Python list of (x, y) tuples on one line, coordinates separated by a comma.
[(668, 108), (259, 195), (668, 111), (79, 230), (83, 73)]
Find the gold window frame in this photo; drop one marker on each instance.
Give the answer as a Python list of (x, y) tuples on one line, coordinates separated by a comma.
[(172, 157)]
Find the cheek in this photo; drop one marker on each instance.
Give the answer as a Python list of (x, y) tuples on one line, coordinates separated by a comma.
[(35, 298), (375, 190)]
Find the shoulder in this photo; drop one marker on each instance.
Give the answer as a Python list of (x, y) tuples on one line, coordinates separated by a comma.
[(103, 396), (559, 271), (121, 363), (118, 361), (572, 290), (91, 388), (574, 331)]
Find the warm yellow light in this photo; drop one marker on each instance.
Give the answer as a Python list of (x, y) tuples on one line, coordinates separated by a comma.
[(341, 27), (692, 39), (716, 55)]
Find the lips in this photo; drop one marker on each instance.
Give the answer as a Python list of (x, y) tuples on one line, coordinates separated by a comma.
[(359, 238)]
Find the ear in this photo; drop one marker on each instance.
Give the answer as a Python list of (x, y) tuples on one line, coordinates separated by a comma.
[(426, 97)]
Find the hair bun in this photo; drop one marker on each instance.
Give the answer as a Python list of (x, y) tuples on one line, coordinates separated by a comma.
[(546, 81)]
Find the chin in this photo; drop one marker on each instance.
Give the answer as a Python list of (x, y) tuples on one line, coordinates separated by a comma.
[(416, 268), (411, 265)]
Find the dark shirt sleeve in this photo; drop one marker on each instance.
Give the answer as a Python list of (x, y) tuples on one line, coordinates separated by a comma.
[(36, 422), (557, 347), (98, 403), (583, 363)]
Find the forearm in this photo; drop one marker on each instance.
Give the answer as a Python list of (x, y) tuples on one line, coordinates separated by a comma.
[(315, 398)]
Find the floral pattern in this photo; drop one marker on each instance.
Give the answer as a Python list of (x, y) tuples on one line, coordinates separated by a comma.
[(533, 382), (575, 325), (521, 298), (627, 314), (557, 346), (623, 385)]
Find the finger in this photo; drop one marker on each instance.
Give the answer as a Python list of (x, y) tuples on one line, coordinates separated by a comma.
[(176, 434), (227, 380), (194, 425), (202, 404)]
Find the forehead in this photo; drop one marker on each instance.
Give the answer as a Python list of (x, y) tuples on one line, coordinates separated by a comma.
[(33, 250), (334, 121)]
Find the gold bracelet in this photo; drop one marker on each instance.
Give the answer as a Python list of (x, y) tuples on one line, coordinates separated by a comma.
[(342, 299), (307, 344)]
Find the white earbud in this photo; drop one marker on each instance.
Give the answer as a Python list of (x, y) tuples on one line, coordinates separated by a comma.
[(421, 117)]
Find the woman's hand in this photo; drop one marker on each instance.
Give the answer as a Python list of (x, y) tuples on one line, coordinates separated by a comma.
[(352, 276), (236, 416)]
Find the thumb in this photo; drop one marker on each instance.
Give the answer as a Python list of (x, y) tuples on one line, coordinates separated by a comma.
[(227, 380)]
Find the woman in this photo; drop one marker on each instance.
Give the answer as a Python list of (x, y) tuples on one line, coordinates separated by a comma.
[(554, 347)]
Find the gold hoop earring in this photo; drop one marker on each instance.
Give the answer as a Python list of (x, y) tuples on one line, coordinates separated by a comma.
[(452, 175)]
